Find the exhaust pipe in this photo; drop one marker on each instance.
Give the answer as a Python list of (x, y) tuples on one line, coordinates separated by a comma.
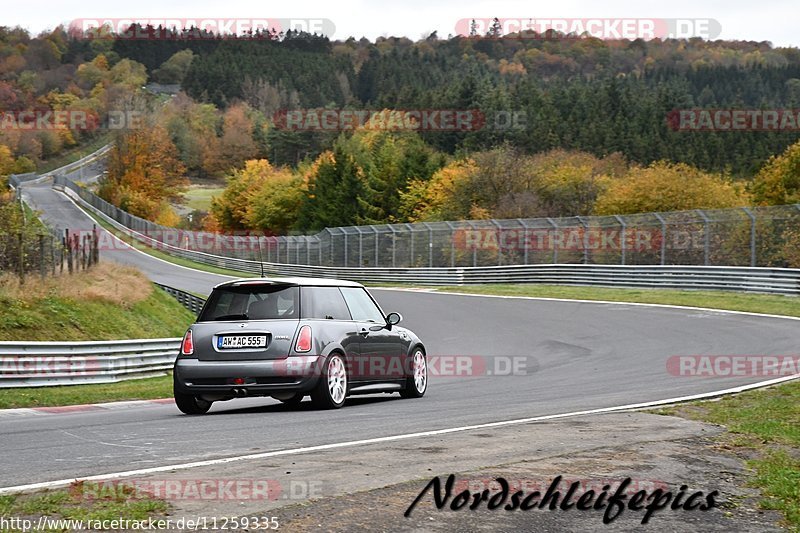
[(240, 393)]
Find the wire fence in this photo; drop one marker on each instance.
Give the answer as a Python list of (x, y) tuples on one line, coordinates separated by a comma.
[(756, 236)]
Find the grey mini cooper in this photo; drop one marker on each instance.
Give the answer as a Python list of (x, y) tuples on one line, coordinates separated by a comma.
[(295, 337)]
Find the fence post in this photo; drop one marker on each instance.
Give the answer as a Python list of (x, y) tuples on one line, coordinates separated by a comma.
[(21, 259), (411, 251), (623, 236), (554, 240), (752, 236), (663, 238), (707, 242), (430, 245), (499, 248), (452, 244), (360, 246), (524, 240), (585, 240), (41, 257)]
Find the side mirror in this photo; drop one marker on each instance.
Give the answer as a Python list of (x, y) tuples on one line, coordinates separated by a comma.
[(393, 318)]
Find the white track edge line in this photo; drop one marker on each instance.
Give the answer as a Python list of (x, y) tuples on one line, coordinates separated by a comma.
[(347, 444)]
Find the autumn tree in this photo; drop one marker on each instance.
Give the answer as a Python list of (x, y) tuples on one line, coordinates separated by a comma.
[(665, 186), (778, 181), (235, 146), (144, 173)]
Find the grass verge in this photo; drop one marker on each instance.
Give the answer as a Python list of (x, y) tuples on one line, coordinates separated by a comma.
[(199, 196), (107, 302), (80, 503), (764, 430), (732, 301), (135, 389)]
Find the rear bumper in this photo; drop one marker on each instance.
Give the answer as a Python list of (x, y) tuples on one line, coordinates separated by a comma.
[(261, 378)]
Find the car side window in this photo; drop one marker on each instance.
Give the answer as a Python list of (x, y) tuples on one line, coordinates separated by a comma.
[(361, 306), (324, 302)]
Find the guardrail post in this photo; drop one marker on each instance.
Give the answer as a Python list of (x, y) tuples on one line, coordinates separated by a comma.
[(345, 248), (752, 236)]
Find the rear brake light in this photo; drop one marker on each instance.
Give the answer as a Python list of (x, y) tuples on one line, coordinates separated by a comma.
[(303, 340), (187, 346)]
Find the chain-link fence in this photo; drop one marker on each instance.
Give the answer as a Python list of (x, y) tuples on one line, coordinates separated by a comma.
[(758, 236)]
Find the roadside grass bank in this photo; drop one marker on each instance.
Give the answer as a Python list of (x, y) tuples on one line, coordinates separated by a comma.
[(135, 389), (107, 302), (773, 304), (763, 430)]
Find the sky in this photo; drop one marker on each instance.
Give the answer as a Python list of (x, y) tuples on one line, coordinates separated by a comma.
[(768, 20)]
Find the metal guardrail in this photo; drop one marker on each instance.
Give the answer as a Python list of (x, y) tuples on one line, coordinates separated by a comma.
[(45, 364), (15, 179), (188, 300)]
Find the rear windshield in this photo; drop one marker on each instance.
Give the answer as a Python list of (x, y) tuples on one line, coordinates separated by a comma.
[(252, 302)]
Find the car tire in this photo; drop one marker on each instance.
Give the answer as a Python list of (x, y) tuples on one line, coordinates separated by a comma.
[(417, 382), (191, 405), (331, 390), (294, 401)]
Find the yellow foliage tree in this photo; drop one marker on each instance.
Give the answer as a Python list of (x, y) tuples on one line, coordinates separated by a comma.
[(666, 186), (778, 181), (441, 197), (144, 173)]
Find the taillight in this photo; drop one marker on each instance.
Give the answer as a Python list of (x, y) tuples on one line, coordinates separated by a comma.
[(303, 340), (187, 346)]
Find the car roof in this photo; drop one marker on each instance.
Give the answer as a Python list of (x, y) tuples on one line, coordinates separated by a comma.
[(301, 282)]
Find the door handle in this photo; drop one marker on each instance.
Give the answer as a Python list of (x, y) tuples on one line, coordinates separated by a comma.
[(364, 332)]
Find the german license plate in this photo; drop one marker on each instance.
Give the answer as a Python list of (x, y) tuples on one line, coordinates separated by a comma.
[(226, 342)]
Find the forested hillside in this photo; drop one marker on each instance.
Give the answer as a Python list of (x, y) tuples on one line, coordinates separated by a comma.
[(592, 114)]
